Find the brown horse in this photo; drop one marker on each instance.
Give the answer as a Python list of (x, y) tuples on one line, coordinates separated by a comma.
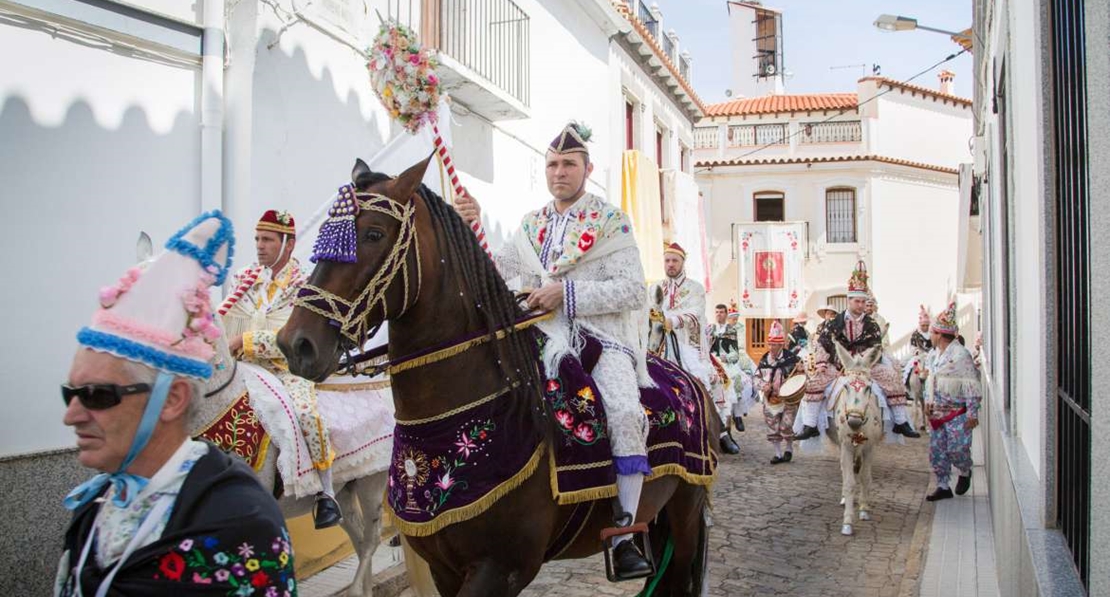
[(420, 267)]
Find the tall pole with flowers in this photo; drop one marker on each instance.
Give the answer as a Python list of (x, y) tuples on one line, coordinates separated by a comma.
[(403, 76)]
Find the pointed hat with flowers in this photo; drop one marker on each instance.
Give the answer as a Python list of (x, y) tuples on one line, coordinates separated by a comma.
[(160, 315)]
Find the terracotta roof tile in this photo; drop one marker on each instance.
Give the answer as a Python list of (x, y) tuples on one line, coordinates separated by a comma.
[(774, 104), (883, 81), (824, 160)]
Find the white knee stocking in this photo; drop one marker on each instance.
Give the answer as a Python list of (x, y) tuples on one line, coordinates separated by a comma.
[(899, 413), (325, 481), (810, 411), (628, 494)]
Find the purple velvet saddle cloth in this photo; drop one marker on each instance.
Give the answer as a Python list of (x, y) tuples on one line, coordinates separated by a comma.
[(678, 438)]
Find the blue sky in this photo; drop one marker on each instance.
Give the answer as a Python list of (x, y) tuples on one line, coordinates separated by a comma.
[(819, 34)]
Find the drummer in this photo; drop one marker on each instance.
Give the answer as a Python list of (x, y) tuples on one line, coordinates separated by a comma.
[(779, 409)]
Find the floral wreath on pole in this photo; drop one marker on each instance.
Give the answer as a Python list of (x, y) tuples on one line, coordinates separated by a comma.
[(403, 75)]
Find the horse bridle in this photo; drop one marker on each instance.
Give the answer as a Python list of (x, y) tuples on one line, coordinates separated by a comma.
[(350, 317), (848, 412)]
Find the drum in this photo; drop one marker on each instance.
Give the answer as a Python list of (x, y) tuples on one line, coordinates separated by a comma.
[(793, 389)]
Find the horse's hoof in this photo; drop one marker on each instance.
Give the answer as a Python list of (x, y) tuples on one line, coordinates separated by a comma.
[(864, 515), (841, 501), (846, 530)]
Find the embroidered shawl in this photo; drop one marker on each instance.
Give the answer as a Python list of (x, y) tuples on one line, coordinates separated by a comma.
[(953, 379), (225, 534)]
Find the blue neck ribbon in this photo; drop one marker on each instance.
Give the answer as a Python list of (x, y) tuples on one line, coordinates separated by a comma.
[(127, 485)]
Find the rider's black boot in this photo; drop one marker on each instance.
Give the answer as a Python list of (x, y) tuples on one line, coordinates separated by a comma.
[(807, 433), (728, 445), (628, 562), (326, 512), (906, 429)]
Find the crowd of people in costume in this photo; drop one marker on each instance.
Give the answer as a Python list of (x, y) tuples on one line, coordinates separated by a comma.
[(166, 511)]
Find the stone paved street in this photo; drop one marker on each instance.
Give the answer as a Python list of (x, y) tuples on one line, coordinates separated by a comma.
[(777, 529)]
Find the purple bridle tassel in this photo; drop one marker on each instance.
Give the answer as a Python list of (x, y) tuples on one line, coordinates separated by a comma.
[(338, 235)]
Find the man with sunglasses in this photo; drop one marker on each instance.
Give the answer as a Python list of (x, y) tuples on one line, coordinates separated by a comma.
[(260, 303), (166, 514)]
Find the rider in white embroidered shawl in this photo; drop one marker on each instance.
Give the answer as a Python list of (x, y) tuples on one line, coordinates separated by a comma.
[(683, 310), (578, 257)]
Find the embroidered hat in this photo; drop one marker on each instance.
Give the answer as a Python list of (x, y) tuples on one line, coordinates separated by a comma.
[(923, 316), (857, 284), (945, 322), (776, 335), (674, 249), (160, 315), (572, 139), (277, 221), (733, 310)]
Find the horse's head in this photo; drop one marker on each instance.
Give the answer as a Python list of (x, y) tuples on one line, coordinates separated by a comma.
[(855, 399), (366, 272), (656, 323)]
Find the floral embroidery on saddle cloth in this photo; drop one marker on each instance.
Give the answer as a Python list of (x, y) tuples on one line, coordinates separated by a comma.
[(450, 469)]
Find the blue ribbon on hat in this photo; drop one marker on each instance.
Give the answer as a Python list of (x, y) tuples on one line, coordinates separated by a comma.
[(127, 485), (206, 255)]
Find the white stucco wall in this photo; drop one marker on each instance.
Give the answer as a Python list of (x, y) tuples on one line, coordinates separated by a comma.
[(913, 225), (96, 147), (925, 130), (1028, 245)]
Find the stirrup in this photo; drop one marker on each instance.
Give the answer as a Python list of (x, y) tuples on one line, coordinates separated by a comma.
[(639, 532)]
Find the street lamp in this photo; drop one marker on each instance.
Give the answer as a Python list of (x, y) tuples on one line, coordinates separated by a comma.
[(900, 23)]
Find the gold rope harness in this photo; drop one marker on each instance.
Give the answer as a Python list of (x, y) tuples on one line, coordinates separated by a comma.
[(351, 316)]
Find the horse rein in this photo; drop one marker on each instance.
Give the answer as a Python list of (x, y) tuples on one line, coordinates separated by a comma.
[(437, 353), (350, 316), (230, 378)]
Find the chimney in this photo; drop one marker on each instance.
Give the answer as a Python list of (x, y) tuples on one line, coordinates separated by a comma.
[(946, 78)]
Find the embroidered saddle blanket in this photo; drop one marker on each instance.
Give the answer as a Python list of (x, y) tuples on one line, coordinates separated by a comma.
[(452, 467), (678, 437), (360, 423)]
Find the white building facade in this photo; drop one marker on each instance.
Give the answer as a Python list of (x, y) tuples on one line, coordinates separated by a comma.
[(1042, 169), (874, 175), (139, 117)]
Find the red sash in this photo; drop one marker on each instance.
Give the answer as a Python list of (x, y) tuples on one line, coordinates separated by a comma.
[(938, 423)]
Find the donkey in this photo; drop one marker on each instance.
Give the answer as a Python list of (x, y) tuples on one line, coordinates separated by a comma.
[(858, 428)]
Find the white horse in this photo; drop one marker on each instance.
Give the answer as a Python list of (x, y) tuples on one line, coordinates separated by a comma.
[(858, 428)]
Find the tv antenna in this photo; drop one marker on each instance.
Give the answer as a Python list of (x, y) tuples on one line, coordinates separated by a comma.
[(862, 68)]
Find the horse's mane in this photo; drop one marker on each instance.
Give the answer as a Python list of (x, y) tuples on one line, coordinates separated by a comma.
[(494, 303)]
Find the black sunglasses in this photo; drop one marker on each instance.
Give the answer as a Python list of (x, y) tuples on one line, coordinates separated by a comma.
[(100, 396)]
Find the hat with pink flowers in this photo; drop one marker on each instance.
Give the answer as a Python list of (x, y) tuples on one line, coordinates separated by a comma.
[(159, 313)]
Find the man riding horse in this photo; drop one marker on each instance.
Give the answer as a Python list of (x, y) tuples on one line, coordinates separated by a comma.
[(592, 278), (683, 311), (857, 332), (260, 303)]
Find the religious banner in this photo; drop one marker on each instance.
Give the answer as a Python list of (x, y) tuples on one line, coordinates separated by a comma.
[(772, 257)]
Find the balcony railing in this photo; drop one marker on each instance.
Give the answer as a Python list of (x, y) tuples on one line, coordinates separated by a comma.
[(705, 137), (668, 48), (757, 134), (684, 68), (652, 24), (489, 37), (831, 132)]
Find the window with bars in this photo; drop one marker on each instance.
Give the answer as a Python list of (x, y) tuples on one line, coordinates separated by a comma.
[(840, 215), (769, 206), (1073, 281), (838, 302)]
